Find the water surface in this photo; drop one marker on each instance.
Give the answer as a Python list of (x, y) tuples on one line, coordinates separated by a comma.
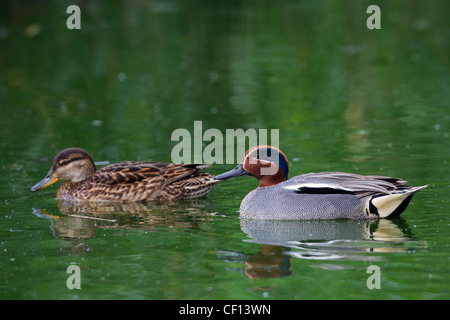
[(344, 98)]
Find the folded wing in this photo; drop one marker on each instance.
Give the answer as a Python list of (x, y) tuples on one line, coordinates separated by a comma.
[(342, 182)]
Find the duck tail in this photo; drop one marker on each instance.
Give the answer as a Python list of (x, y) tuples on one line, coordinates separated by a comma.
[(393, 204)]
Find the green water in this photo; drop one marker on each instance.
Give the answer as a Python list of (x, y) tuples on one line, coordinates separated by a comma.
[(343, 97)]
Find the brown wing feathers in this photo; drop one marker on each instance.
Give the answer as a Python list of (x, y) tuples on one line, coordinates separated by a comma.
[(133, 171)]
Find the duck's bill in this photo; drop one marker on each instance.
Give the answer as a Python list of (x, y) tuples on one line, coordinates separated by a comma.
[(48, 180), (236, 172)]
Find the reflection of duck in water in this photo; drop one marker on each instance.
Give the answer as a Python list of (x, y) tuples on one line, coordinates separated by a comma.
[(326, 195), (183, 214), (81, 219), (289, 233), (322, 240), (269, 262), (124, 181)]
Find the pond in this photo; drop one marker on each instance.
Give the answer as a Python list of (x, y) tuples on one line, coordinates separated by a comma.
[(342, 97)]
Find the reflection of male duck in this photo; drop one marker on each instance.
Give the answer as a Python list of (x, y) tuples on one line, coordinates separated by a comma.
[(285, 232), (322, 240), (269, 262)]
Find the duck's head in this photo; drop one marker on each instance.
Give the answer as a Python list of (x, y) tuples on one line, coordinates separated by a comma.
[(73, 164), (266, 163)]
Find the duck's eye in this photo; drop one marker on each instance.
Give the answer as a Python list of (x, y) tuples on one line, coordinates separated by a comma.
[(264, 162), (63, 162), (263, 153), (255, 155)]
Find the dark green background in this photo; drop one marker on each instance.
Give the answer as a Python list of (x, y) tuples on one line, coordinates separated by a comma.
[(344, 98)]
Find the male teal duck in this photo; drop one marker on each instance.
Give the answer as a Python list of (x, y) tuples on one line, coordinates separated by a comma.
[(327, 195), (124, 181)]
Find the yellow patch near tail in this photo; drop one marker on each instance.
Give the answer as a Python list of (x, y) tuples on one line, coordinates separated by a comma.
[(387, 204)]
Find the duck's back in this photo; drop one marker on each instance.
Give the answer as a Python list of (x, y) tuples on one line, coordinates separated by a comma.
[(140, 181)]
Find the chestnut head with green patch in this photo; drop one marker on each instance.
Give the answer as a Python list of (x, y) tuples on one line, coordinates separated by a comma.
[(266, 163)]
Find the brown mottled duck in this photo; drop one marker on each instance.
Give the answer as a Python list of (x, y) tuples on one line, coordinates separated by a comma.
[(126, 180)]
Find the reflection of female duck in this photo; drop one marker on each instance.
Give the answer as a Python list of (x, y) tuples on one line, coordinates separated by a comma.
[(183, 214), (68, 228), (124, 181), (80, 219)]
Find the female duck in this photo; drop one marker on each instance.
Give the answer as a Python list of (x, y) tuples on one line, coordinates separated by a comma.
[(124, 181), (327, 195)]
